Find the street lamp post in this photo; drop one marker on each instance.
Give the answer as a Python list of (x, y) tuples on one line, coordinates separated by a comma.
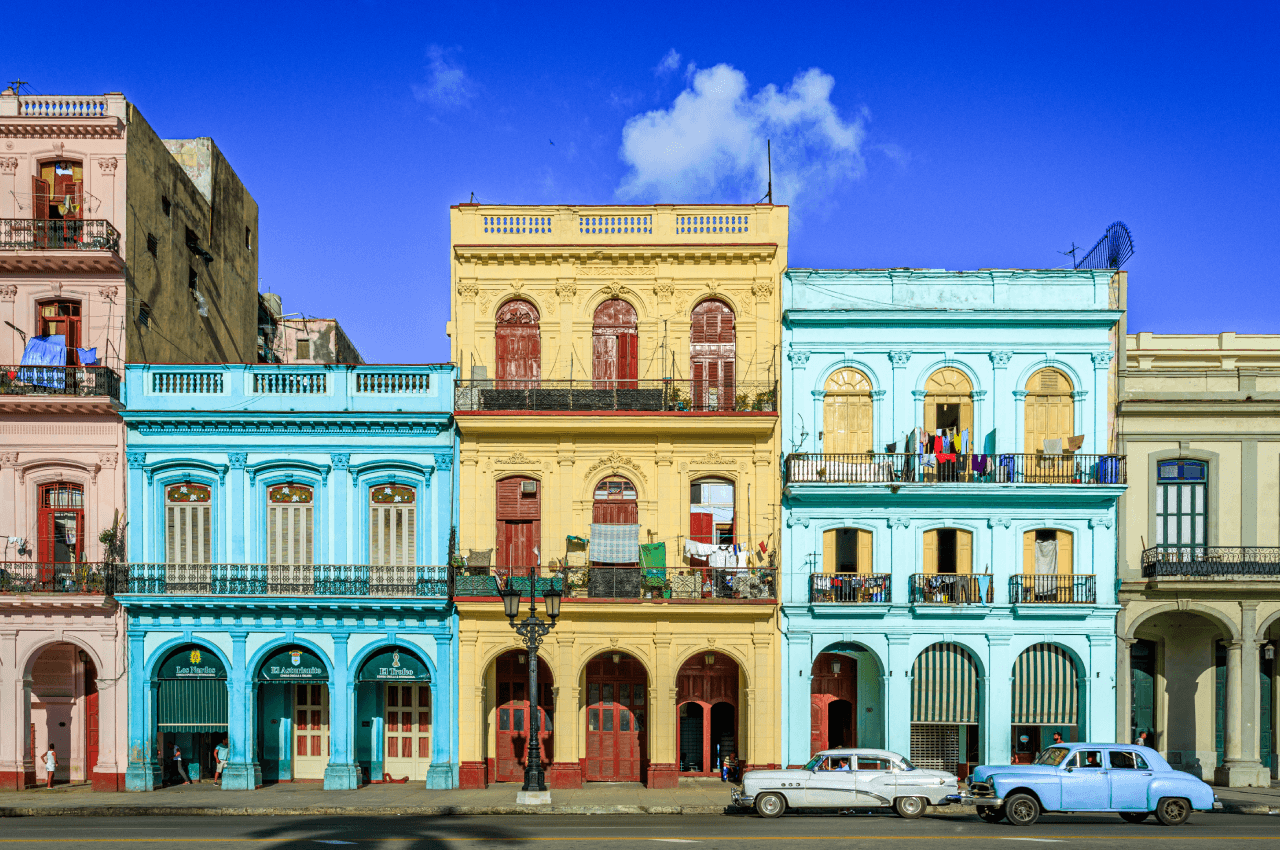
[(532, 630)]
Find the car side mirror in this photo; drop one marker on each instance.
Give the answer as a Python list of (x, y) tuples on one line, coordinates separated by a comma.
[(1070, 769)]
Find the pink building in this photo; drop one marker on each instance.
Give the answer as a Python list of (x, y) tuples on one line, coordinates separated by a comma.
[(110, 248)]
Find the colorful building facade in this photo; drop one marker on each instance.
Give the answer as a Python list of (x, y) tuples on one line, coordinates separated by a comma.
[(618, 434), (1200, 552), (949, 511), (287, 590)]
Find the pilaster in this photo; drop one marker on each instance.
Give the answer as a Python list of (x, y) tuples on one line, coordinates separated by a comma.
[(342, 773), (897, 691)]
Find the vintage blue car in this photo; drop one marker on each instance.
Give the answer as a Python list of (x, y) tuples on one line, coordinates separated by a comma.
[(1131, 781)]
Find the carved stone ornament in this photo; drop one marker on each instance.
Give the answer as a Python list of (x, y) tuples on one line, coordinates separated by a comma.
[(899, 359), (613, 289), (135, 459), (798, 357), (610, 270), (468, 290), (763, 291), (1104, 521), (663, 290), (613, 460), (444, 461), (341, 461), (899, 522), (107, 460), (711, 459), (8, 165), (1000, 359), (1102, 359), (517, 284), (565, 290), (107, 165), (998, 522), (516, 459), (237, 460), (794, 519), (8, 459), (108, 293), (485, 301), (8, 292)]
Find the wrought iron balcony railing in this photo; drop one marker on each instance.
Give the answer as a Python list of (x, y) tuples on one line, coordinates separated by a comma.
[(622, 582), (284, 580), (33, 234), (668, 395), (850, 588), (1211, 562), (885, 468), (34, 577), (950, 589), (1053, 589), (80, 381)]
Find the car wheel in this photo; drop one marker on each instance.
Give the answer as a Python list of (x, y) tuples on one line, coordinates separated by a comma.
[(991, 814), (770, 805), (1021, 810), (1173, 811), (910, 807), (1134, 817)]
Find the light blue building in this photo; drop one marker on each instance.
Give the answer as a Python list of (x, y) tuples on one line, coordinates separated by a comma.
[(289, 528), (952, 602)]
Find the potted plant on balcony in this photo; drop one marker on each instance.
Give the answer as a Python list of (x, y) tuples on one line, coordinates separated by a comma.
[(765, 401)]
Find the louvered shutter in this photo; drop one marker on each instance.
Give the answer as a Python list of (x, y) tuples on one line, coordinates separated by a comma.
[(931, 552), (830, 539), (39, 199), (290, 534), (864, 551), (1064, 554), (1028, 553), (964, 552), (188, 534), (392, 527)]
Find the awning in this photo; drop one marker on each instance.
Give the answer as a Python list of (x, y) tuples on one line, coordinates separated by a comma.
[(1045, 687), (944, 686), (192, 705)]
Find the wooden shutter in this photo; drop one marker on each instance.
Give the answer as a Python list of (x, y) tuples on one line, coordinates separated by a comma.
[(39, 199), (604, 357), (628, 359), (188, 534), (864, 552), (392, 534), (830, 540), (1028, 553), (1064, 553), (702, 527), (930, 421), (289, 534), (964, 552), (931, 551)]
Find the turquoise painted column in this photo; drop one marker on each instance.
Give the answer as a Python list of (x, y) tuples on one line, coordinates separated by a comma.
[(897, 691), (143, 770), (137, 536), (242, 772), (342, 773), (904, 415), (443, 735), (1001, 401), (904, 561), (1098, 440), (1017, 422), (1103, 538), (1100, 691), (797, 720), (341, 553), (819, 436), (1001, 551), (236, 494), (997, 703)]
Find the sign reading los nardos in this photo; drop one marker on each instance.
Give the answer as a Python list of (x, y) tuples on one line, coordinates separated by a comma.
[(192, 662)]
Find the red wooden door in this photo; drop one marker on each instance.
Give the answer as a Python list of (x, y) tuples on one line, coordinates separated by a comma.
[(614, 362), (61, 528), (712, 355), (513, 708), (709, 684), (90, 726), (39, 199), (518, 346), (617, 714), (834, 678), (519, 513)]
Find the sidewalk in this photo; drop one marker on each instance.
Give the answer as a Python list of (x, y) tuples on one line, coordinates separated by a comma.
[(692, 797)]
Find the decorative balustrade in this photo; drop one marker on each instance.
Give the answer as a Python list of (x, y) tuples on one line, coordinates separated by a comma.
[(886, 468), (1211, 562), (79, 381), (738, 223), (595, 224), (639, 395), (33, 234), (950, 589), (624, 582), (284, 580), (702, 224), (850, 588), (57, 106), (290, 383), (187, 383), (495, 224), (1053, 589), (393, 383), (34, 577)]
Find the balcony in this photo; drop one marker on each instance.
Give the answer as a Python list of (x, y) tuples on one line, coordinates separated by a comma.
[(625, 583), (950, 589), (1208, 563), (75, 381), (54, 245), (850, 588), (1053, 590), (647, 396), (17, 577), (284, 580), (885, 468)]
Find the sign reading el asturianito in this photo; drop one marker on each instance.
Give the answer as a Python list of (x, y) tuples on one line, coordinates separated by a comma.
[(293, 665)]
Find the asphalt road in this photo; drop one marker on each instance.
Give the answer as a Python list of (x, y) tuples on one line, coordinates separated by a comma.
[(623, 832)]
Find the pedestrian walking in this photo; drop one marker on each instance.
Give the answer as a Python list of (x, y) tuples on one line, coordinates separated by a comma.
[(50, 765), (1142, 739), (220, 753), (179, 767)]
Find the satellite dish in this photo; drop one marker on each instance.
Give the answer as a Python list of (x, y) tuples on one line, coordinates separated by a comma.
[(1111, 251)]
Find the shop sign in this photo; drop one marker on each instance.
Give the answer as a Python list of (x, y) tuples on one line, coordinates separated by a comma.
[(192, 662), (394, 665), (293, 665)]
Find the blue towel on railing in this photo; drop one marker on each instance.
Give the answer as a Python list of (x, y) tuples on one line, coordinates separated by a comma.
[(615, 544), (48, 350)]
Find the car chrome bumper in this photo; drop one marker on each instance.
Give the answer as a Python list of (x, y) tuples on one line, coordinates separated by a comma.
[(741, 800), (970, 800), (1217, 804)]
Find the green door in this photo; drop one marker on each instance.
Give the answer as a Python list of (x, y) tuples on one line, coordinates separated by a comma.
[(1142, 685), (1220, 699), (1265, 733), (1181, 503)]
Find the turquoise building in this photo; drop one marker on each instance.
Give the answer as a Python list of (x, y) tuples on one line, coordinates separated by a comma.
[(949, 511), (287, 593)]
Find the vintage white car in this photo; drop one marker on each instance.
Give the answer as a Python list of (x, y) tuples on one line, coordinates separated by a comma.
[(847, 779)]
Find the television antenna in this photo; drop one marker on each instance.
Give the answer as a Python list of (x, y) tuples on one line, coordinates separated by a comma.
[(1111, 251)]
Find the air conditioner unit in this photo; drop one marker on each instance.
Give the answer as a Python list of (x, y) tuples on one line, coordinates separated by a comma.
[(528, 486)]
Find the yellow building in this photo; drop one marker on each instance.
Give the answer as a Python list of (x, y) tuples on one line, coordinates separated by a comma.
[(618, 425)]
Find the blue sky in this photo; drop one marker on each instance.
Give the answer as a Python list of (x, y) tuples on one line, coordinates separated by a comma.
[(941, 136)]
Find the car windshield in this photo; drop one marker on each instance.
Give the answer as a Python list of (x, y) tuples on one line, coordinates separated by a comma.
[(813, 763), (907, 765), (1052, 756)]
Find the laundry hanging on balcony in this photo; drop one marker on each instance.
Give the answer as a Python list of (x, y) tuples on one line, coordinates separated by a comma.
[(50, 351), (615, 544)]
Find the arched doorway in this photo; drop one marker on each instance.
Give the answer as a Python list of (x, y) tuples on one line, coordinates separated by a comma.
[(944, 709), (519, 532), (617, 718), (191, 710), (846, 414), (518, 346), (1049, 412), (64, 712), (948, 423), (712, 355), (293, 715), (513, 708), (1046, 699), (614, 347), (615, 540), (707, 709), (833, 699), (394, 703)]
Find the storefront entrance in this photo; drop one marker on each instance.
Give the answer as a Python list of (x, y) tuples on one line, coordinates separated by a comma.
[(944, 709), (617, 712), (191, 712), (293, 705), (707, 709), (395, 686), (833, 695), (512, 738), (1046, 699), (408, 731)]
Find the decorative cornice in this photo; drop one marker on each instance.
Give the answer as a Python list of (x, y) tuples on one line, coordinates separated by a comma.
[(278, 426), (611, 270), (614, 460)]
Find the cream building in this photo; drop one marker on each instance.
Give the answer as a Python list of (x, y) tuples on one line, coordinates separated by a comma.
[(1199, 418)]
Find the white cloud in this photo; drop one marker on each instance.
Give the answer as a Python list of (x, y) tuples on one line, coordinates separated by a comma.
[(448, 85), (668, 63), (710, 144)]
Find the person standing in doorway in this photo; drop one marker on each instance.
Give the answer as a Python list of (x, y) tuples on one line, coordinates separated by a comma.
[(1057, 737), (220, 753), (50, 765), (179, 768)]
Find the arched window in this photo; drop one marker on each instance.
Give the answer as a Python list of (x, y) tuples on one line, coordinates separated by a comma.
[(61, 518), (712, 355), (1050, 412), (948, 402), (846, 413), (58, 193), (393, 538), (1047, 564), (948, 551), (614, 348), (711, 513), (188, 509), (614, 502), (518, 345), (61, 318), (289, 524)]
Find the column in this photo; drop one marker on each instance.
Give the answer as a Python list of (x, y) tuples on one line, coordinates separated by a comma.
[(996, 745), (344, 547), (143, 771), (1001, 402), (761, 703), (1103, 541), (236, 495), (884, 431), (1099, 719), (1098, 439), (897, 691), (998, 555), (138, 542), (904, 416), (797, 672), (903, 563), (664, 768), (242, 772), (1018, 424), (472, 771), (820, 442), (108, 766), (11, 774), (1124, 693), (444, 716), (342, 774), (1241, 767)]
